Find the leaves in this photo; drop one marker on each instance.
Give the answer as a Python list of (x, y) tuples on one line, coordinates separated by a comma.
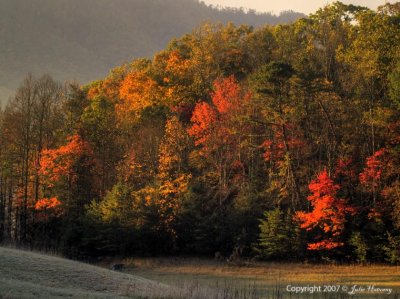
[(328, 212), (137, 92), (57, 164), (371, 174)]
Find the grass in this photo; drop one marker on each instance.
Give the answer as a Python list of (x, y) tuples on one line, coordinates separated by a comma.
[(25, 274), (267, 280)]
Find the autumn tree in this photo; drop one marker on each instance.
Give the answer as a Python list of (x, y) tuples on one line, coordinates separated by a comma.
[(374, 44), (30, 122), (218, 132), (61, 172), (137, 91), (328, 215), (172, 175)]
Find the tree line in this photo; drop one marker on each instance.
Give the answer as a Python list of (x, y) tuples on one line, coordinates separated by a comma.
[(280, 142)]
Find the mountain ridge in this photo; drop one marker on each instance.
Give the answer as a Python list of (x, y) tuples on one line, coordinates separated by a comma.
[(83, 40)]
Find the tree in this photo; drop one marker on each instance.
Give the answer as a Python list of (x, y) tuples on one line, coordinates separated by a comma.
[(172, 177), (218, 131), (61, 172), (30, 123), (394, 84), (278, 236), (328, 213), (278, 113), (99, 126), (137, 92)]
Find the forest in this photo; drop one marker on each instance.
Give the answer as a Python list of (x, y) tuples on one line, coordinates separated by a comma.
[(276, 143)]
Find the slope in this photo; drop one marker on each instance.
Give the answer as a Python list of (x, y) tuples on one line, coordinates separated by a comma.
[(25, 274)]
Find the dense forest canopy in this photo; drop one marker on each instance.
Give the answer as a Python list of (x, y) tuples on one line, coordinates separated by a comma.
[(277, 142), (82, 39)]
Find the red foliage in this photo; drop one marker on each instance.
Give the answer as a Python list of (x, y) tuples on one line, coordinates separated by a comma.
[(328, 212), (326, 244), (373, 170), (227, 95), (267, 144), (276, 149), (204, 116), (213, 125), (343, 168), (47, 203), (374, 214), (58, 163), (47, 208)]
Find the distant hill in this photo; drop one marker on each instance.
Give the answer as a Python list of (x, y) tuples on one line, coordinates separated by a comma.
[(82, 39)]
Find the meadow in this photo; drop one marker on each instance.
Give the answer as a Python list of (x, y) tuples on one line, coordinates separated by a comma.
[(204, 278), (25, 274)]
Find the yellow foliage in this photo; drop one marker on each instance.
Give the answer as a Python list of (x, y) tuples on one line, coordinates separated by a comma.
[(177, 65), (173, 182), (137, 92)]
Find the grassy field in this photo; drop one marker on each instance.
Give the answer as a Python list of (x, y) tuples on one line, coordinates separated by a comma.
[(31, 275), (210, 279), (26, 274)]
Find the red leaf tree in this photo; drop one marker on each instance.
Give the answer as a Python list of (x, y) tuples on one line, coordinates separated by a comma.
[(216, 124), (372, 171), (219, 130), (58, 163), (328, 213)]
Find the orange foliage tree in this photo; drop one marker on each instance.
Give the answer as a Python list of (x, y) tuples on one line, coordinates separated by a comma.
[(137, 92), (58, 163), (328, 213), (173, 179)]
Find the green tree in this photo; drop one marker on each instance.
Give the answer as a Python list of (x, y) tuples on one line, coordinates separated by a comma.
[(278, 238)]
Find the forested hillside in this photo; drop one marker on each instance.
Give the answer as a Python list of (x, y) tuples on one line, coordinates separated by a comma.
[(82, 39), (280, 142)]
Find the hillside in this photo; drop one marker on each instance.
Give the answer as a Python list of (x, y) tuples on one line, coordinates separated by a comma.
[(26, 274), (83, 39)]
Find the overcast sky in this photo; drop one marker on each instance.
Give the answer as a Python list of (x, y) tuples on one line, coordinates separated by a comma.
[(304, 6)]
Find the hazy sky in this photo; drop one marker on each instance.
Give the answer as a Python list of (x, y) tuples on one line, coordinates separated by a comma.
[(304, 6)]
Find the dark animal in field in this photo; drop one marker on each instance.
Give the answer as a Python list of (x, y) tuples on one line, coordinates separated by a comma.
[(117, 267)]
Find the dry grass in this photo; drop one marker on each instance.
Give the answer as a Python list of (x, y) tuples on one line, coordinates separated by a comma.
[(372, 273), (26, 274), (264, 280)]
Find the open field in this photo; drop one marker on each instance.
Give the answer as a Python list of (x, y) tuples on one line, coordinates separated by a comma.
[(269, 280), (25, 274)]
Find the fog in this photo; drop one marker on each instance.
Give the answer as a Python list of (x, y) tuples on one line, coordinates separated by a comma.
[(304, 6)]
